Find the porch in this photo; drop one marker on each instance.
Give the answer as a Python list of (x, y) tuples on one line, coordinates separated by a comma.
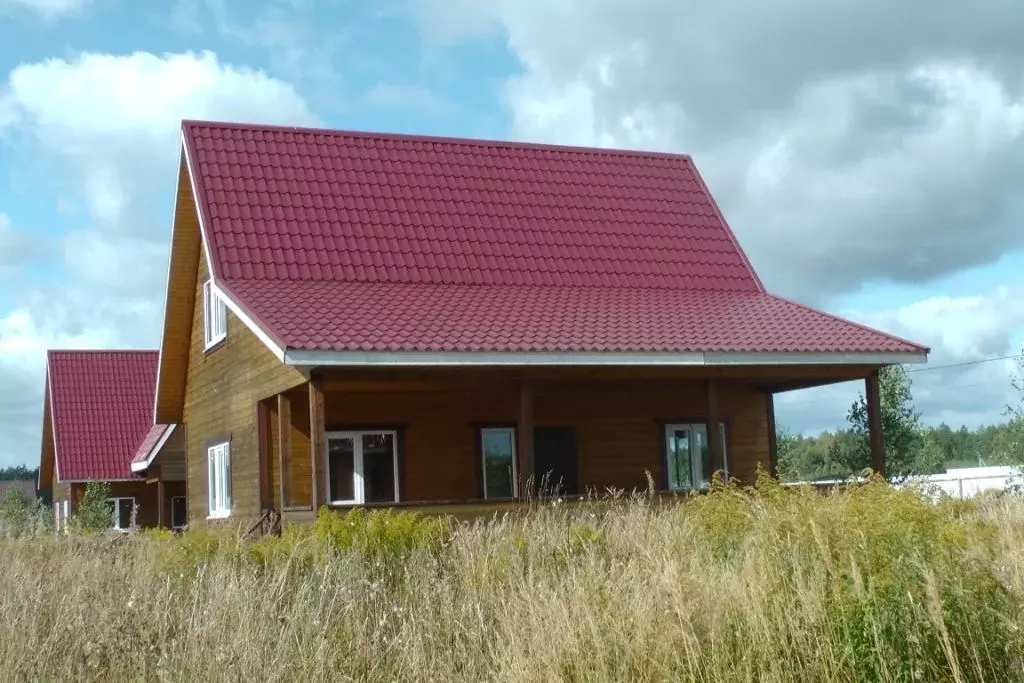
[(472, 441)]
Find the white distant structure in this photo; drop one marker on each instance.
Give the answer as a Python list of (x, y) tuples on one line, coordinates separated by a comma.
[(967, 482), (957, 482)]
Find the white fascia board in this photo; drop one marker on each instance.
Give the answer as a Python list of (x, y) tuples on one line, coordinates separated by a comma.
[(455, 358), (143, 466), (240, 313)]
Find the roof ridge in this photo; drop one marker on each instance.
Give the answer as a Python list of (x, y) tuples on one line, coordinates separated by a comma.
[(417, 137), (124, 351)]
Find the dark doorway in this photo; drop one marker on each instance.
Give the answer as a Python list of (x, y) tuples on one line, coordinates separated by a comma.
[(555, 463)]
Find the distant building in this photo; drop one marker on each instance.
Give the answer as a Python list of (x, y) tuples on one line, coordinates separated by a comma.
[(27, 488)]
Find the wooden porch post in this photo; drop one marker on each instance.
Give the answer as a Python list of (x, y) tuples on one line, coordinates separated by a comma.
[(316, 441), (875, 435), (525, 437), (773, 445), (262, 441), (284, 447), (160, 503), (714, 436)]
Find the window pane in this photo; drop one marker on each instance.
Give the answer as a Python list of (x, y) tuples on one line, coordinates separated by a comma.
[(341, 469), (498, 455), (679, 463), (212, 478), (379, 468), (111, 506), (225, 469), (700, 437)]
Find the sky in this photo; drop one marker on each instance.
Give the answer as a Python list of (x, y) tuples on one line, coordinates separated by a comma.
[(869, 157)]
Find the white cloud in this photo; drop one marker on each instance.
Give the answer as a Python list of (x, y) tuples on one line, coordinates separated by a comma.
[(108, 127), (48, 9)]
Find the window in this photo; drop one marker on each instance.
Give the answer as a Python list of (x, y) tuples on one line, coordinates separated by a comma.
[(498, 451), (179, 513), (219, 479), (362, 467), (122, 510), (688, 458), (215, 315), (60, 514)]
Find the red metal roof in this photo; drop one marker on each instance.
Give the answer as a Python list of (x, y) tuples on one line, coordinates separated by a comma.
[(156, 432), (102, 408), (357, 241)]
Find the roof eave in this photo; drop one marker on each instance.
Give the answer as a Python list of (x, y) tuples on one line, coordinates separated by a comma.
[(533, 358)]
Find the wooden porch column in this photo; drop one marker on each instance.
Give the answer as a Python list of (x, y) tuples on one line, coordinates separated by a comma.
[(263, 450), (773, 444), (160, 501), (525, 433), (714, 436), (316, 441), (875, 436), (284, 447)]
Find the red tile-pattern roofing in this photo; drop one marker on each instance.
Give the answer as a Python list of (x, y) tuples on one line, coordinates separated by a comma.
[(156, 432), (102, 408), (341, 240)]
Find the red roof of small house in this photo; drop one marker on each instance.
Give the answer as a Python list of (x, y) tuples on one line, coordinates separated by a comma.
[(333, 240), (101, 405)]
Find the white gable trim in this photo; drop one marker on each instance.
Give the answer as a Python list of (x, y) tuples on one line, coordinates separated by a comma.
[(240, 313), (143, 466), (455, 358)]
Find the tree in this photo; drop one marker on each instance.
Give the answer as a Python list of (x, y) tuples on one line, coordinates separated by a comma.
[(901, 426), (94, 512), (1012, 442)]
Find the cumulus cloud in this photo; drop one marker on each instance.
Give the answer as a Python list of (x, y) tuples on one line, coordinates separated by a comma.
[(847, 141), (105, 131)]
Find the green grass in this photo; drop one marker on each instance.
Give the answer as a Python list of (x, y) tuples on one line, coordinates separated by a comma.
[(770, 584)]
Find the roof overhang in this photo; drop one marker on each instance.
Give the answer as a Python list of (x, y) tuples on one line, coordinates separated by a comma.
[(480, 358), (143, 465)]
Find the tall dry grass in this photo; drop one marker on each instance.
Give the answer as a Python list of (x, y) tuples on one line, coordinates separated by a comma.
[(740, 585)]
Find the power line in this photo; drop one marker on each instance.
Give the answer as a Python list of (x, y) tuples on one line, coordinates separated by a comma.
[(945, 388), (1016, 356)]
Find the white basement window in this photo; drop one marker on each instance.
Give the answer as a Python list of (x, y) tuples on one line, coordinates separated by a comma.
[(219, 479), (215, 316), (687, 456), (122, 509)]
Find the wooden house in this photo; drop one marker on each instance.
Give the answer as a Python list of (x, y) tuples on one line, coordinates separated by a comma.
[(388, 320), (97, 410)]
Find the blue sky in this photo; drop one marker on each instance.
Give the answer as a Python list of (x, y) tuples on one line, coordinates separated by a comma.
[(877, 184)]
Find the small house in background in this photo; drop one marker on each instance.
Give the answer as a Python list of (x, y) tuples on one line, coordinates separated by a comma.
[(25, 487), (97, 415), (362, 319)]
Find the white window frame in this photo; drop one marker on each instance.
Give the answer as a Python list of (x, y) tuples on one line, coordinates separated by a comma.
[(218, 482), (511, 431), (184, 499), (215, 317), (358, 484), (696, 462), (118, 502)]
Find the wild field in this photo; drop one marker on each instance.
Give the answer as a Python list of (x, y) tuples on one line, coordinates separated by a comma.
[(764, 584)]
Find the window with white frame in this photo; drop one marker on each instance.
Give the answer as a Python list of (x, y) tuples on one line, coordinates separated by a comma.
[(362, 467), (687, 456), (122, 511), (498, 453), (215, 315), (219, 479)]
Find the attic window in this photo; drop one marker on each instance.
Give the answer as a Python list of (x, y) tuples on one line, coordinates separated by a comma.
[(215, 316)]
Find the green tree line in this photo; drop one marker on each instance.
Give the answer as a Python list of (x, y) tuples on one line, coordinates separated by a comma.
[(910, 447)]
